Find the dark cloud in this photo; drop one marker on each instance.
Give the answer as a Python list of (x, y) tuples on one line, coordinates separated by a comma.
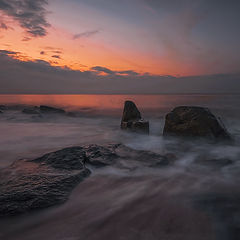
[(56, 56), (39, 77), (85, 34), (102, 69), (129, 72), (31, 15), (58, 52), (6, 52)]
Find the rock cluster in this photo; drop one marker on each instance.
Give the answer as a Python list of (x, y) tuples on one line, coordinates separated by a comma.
[(132, 119), (190, 121), (43, 110)]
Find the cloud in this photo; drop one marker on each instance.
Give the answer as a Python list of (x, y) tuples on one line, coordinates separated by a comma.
[(58, 52), (85, 34), (56, 56), (100, 69), (25, 39), (6, 52), (31, 15), (3, 26), (39, 77)]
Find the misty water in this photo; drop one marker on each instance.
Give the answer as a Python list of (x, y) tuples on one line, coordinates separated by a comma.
[(196, 197)]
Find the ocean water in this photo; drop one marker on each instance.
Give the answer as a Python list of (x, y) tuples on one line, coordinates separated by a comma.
[(113, 203)]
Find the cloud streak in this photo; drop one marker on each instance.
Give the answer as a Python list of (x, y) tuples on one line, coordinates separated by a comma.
[(39, 77), (30, 14), (86, 34)]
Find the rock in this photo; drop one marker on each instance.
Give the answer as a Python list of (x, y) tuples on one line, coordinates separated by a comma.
[(31, 110), (3, 107), (130, 112), (46, 181), (43, 182), (123, 156), (1, 112), (47, 109), (132, 120), (101, 156), (194, 122)]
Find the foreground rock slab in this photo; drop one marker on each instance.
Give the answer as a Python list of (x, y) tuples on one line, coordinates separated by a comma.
[(43, 182), (132, 119), (28, 185), (188, 121)]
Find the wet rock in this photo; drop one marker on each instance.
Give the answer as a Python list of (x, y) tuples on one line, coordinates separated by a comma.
[(31, 110), (47, 109), (3, 108), (101, 156), (46, 181), (132, 119), (128, 158), (43, 182), (194, 122)]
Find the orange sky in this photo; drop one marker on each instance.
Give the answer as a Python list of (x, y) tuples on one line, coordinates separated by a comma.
[(84, 53), (143, 36)]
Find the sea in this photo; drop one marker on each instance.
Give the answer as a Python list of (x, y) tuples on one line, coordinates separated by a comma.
[(186, 200)]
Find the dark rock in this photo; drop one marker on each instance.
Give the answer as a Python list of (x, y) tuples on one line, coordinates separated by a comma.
[(47, 109), (40, 183), (130, 112), (194, 122), (3, 107), (48, 180), (1, 112), (72, 158), (31, 110), (132, 120), (101, 156)]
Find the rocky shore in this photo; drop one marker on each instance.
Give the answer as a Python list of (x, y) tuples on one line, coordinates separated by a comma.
[(33, 184)]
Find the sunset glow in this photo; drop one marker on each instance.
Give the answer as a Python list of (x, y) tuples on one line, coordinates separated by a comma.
[(127, 39)]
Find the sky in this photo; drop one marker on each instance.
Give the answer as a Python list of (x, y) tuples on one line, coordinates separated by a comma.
[(112, 46)]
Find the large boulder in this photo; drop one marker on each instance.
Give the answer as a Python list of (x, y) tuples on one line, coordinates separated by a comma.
[(132, 119), (191, 121)]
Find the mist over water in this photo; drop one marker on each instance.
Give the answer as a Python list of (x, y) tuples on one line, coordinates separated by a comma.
[(132, 201)]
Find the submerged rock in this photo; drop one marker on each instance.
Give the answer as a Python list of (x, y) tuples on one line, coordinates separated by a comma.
[(3, 108), (31, 110), (42, 182), (132, 119), (194, 122), (47, 109)]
